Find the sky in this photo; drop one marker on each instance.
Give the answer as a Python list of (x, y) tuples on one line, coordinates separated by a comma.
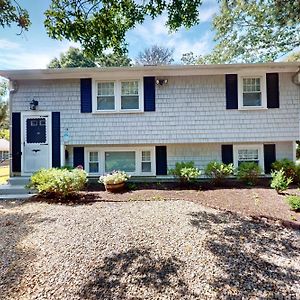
[(33, 49)]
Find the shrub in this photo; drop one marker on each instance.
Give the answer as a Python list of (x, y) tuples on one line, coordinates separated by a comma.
[(114, 178), (288, 166), (185, 171), (279, 181), (294, 202), (58, 182), (218, 171), (249, 172)]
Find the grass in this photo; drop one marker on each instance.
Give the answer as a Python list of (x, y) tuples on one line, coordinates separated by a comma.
[(4, 174)]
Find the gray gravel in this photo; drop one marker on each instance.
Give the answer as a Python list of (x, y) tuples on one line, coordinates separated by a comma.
[(143, 250)]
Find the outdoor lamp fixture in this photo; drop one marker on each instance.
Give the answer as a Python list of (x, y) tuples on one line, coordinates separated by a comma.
[(33, 104), (161, 81)]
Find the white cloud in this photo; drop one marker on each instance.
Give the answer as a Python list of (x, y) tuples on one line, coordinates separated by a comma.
[(206, 13), (22, 58), (6, 44)]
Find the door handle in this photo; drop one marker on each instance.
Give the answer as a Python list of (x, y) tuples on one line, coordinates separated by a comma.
[(36, 150)]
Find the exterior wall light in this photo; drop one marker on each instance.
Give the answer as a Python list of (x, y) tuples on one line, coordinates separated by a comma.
[(33, 104), (161, 81)]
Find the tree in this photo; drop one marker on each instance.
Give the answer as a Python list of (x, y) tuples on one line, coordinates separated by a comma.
[(294, 57), (254, 31), (155, 55), (75, 58), (3, 105), (12, 13)]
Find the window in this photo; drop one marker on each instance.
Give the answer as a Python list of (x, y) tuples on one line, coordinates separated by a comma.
[(130, 95), (146, 161), (252, 92), (118, 96), (4, 155), (93, 162), (119, 160), (106, 96), (248, 153)]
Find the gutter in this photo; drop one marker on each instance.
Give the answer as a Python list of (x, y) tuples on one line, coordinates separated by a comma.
[(296, 77)]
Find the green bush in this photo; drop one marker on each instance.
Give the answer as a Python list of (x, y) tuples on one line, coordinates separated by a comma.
[(218, 171), (288, 166), (294, 202), (249, 172), (279, 181), (185, 171), (58, 182)]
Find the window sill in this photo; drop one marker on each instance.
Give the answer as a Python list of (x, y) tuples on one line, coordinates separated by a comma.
[(252, 108), (98, 112)]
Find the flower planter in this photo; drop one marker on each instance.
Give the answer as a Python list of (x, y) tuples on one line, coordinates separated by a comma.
[(115, 188)]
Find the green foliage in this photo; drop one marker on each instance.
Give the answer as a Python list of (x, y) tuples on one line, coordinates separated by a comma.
[(58, 182), (100, 25), (12, 13), (4, 134), (73, 58), (3, 103), (294, 202), (113, 60), (294, 57), (288, 166), (185, 171), (155, 55), (249, 172), (114, 178), (218, 171), (279, 181)]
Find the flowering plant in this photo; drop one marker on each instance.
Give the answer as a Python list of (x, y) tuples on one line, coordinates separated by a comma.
[(114, 178)]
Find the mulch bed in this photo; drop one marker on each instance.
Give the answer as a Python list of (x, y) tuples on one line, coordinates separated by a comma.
[(256, 202)]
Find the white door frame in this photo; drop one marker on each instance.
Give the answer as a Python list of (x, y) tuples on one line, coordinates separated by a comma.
[(35, 113)]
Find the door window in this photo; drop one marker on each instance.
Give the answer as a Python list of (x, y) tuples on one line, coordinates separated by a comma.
[(36, 131)]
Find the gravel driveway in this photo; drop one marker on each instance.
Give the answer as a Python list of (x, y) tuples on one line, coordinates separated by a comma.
[(143, 250)]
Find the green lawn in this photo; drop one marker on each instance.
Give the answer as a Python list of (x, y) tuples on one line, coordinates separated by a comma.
[(4, 173)]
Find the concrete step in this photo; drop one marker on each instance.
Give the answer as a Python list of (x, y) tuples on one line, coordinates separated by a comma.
[(8, 189), (16, 197), (19, 180)]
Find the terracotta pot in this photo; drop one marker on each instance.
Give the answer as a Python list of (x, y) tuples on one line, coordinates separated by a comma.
[(115, 188)]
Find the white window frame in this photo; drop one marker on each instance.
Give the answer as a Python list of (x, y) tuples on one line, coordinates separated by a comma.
[(89, 161), (117, 91), (138, 159), (259, 147), (96, 95), (263, 88)]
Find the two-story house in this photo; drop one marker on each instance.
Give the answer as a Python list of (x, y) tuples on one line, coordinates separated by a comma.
[(145, 119)]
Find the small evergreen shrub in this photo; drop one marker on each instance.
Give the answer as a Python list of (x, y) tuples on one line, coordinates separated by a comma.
[(249, 172), (294, 202), (289, 168), (58, 182), (279, 181), (185, 171), (218, 171)]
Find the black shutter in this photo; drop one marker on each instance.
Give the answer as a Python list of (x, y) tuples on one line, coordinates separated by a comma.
[(272, 90), (78, 156), (16, 142), (55, 139), (86, 95), (269, 157), (149, 93), (227, 154), (231, 91), (161, 160)]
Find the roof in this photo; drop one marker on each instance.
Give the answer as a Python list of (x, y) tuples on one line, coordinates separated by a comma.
[(166, 70), (4, 145)]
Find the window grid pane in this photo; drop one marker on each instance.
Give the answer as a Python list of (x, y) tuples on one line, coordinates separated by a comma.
[(251, 85), (130, 88), (106, 89), (248, 154), (146, 156), (94, 156)]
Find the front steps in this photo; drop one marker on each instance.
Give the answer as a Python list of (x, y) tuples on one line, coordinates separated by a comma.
[(15, 189)]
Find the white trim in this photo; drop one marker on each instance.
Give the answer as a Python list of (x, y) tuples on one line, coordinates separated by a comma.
[(263, 88), (138, 156), (117, 94), (49, 133), (260, 148), (294, 143)]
